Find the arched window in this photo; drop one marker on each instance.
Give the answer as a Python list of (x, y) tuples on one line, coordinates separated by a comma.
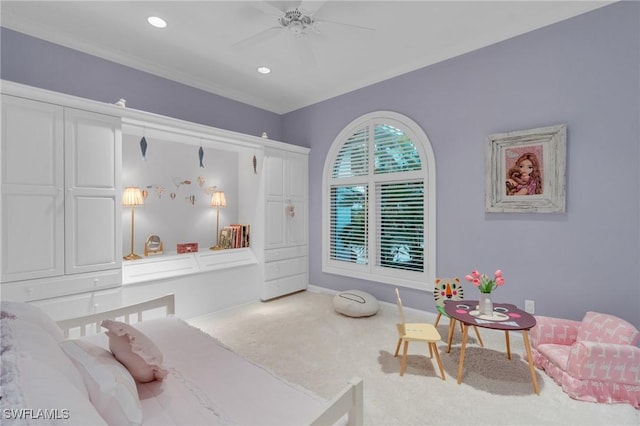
[(379, 202)]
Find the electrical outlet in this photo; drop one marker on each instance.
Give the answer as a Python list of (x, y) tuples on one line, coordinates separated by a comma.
[(529, 306)]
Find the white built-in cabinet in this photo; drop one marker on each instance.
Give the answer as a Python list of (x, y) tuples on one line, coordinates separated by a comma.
[(61, 214), (60, 175), (286, 227)]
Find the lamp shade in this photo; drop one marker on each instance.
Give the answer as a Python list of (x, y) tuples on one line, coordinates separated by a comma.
[(132, 196), (218, 200)]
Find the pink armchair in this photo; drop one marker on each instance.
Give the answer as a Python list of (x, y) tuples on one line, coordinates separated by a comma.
[(596, 359)]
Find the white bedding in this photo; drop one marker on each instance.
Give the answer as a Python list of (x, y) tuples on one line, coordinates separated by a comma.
[(45, 379), (210, 384)]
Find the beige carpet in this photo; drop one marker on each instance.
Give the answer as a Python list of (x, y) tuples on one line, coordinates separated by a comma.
[(303, 340)]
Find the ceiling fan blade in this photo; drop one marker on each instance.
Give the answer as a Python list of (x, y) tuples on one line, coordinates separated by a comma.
[(305, 51), (268, 8), (311, 6), (258, 38), (360, 27)]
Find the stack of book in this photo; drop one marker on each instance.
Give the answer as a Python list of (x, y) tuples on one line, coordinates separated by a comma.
[(238, 235)]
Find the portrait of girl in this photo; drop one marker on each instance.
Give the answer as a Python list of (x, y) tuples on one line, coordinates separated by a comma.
[(524, 176)]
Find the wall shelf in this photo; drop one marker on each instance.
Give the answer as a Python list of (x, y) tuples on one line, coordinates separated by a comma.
[(171, 265)]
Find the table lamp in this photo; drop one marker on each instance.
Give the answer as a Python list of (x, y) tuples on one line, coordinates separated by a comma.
[(218, 201), (132, 197)]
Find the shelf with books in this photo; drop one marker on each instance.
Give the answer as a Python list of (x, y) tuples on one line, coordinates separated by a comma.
[(235, 236)]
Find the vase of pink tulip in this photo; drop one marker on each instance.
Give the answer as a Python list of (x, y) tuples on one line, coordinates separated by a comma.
[(486, 286)]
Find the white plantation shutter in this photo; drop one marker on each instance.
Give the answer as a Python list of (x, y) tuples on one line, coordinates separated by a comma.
[(394, 151), (400, 225), (378, 187), (353, 158), (349, 223)]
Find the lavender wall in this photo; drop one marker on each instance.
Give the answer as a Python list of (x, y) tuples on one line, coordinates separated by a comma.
[(583, 72), (38, 63)]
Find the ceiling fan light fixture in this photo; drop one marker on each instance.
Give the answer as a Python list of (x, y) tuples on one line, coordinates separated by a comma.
[(296, 21), (263, 70), (296, 27), (157, 22)]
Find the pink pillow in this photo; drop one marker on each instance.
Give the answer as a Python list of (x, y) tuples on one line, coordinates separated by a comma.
[(135, 351)]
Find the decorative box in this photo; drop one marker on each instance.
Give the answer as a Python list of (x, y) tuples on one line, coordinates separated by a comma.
[(187, 247)]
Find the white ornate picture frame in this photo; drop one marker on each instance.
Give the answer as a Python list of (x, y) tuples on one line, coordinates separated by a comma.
[(525, 171)]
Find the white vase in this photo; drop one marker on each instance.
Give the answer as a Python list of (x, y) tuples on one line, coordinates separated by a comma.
[(485, 305)]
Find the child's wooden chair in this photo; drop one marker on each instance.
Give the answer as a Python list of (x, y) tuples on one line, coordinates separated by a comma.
[(416, 332), (449, 289)]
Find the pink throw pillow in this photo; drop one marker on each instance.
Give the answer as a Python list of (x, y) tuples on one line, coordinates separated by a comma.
[(135, 351)]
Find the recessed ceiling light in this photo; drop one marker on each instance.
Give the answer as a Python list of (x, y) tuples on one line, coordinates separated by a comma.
[(264, 70), (157, 22)]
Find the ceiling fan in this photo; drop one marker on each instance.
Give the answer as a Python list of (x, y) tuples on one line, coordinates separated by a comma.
[(299, 22)]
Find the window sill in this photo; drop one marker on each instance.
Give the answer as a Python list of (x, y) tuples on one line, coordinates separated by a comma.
[(415, 280)]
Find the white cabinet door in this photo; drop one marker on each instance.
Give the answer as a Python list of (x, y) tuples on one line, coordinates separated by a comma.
[(296, 198), (275, 226), (32, 189), (60, 190), (275, 232), (286, 198), (92, 175)]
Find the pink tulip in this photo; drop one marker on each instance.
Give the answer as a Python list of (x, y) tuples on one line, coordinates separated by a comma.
[(483, 282)]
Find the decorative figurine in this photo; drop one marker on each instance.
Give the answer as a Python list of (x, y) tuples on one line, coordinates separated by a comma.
[(143, 148)]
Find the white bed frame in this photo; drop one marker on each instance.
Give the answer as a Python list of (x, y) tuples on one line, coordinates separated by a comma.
[(348, 401)]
